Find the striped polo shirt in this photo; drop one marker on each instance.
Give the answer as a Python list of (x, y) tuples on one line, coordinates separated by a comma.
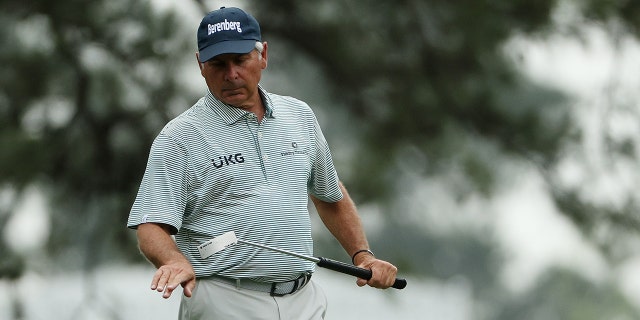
[(215, 169)]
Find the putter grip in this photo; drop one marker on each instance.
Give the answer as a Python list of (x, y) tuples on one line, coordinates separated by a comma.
[(354, 271)]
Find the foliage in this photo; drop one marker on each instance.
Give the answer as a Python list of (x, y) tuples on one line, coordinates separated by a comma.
[(86, 85), (84, 90), (561, 294)]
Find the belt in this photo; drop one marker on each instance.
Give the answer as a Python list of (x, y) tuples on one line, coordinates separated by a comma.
[(276, 289)]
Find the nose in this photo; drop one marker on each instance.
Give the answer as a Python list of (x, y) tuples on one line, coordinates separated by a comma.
[(230, 72)]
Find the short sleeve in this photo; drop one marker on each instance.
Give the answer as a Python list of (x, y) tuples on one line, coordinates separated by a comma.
[(162, 195), (324, 182)]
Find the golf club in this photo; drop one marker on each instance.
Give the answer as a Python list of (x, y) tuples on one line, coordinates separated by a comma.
[(229, 238)]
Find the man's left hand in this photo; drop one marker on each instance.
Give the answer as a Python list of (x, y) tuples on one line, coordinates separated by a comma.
[(383, 273)]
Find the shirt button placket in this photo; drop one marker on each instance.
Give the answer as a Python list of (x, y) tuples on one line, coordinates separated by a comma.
[(259, 141), (265, 157)]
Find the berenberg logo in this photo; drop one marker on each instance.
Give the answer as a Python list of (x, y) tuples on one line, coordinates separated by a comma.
[(224, 26)]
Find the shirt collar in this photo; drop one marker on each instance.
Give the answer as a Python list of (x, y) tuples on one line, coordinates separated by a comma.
[(231, 114)]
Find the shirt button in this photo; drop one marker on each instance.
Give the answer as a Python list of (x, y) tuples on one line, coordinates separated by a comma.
[(265, 157), (259, 135)]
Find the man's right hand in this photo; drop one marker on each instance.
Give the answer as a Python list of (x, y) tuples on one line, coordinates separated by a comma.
[(168, 277), (174, 269)]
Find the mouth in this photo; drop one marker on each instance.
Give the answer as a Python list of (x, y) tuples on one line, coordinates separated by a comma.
[(232, 91), (232, 95)]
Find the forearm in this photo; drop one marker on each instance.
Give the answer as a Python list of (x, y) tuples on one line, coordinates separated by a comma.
[(342, 220), (157, 245)]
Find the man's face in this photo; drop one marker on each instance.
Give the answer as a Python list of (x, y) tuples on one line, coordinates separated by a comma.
[(233, 78)]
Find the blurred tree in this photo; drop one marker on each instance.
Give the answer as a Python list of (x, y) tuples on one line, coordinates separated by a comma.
[(626, 13), (563, 295), (86, 86)]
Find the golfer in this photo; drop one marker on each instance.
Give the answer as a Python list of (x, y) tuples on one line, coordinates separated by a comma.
[(245, 160)]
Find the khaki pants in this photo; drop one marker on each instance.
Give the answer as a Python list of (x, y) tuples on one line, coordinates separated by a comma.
[(212, 300)]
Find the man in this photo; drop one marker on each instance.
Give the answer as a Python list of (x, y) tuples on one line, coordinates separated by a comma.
[(244, 160)]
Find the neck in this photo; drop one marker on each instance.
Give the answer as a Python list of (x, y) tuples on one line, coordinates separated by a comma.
[(257, 108)]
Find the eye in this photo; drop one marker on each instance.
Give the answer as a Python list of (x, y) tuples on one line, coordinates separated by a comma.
[(243, 58), (215, 63)]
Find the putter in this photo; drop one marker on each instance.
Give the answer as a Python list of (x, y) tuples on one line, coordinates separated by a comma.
[(223, 241)]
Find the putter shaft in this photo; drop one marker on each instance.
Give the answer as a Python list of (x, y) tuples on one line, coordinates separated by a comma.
[(291, 253)]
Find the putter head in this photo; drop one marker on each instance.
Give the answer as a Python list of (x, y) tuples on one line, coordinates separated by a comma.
[(217, 244)]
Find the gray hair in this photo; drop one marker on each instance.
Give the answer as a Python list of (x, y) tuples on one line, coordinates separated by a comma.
[(259, 46)]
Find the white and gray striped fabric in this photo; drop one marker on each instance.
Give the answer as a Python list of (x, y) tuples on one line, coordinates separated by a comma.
[(215, 169)]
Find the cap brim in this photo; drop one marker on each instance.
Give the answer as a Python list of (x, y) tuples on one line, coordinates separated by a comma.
[(238, 46)]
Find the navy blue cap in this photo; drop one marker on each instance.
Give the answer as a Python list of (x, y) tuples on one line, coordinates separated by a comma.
[(227, 30)]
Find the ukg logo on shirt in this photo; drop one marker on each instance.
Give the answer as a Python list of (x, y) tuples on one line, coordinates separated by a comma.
[(224, 26), (227, 160)]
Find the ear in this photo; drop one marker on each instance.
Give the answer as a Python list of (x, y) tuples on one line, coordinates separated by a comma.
[(200, 64), (264, 55)]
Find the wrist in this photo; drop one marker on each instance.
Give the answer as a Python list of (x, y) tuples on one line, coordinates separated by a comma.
[(359, 252)]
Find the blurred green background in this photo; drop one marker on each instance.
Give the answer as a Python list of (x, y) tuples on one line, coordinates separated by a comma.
[(490, 143)]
